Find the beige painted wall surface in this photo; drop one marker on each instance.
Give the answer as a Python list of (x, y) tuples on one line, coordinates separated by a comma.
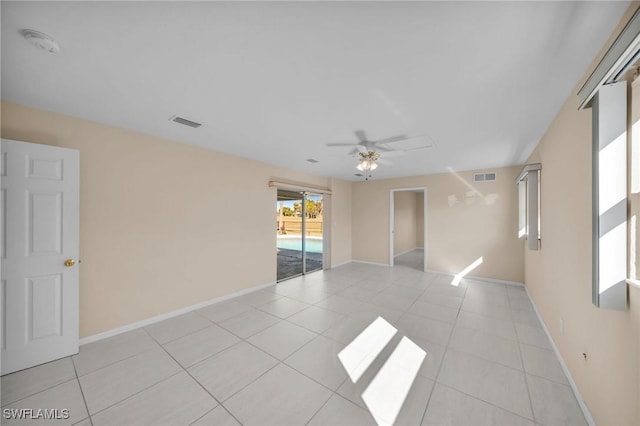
[(559, 275), (404, 236), (340, 221), (465, 221), (419, 219), (156, 233)]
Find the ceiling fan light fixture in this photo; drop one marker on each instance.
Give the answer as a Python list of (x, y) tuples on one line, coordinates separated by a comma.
[(367, 160)]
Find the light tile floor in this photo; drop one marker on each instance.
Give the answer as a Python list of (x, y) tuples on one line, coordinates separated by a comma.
[(271, 358)]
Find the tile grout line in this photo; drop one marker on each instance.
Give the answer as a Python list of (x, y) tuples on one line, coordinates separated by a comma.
[(198, 382), (137, 393), (479, 399), (384, 289), (446, 348), (81, 391), (208, 412), (317, 335), (565, 382), (180, 337), (251, 382), (144, 389), (252, 334), (40, 391), (524, 372), (260, 349), (572, 386), (245, 340), (306, 375), (287, 365), (489, 403), (511, 367), (116, 362)]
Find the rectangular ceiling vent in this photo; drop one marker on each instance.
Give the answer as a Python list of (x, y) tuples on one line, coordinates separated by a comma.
[(484, 177), (181, 120), (312, 160)]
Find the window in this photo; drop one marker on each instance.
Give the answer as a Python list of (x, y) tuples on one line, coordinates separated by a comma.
[(529, 205), (605, 91), (609, 111)]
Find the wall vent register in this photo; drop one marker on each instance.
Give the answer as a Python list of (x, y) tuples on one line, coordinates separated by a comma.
[(186, 122), (484, 177)]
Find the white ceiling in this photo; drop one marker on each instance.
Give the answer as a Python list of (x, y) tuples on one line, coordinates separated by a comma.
[(278, 81)]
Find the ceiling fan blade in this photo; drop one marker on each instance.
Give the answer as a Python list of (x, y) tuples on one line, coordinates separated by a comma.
[(362, 148), (419, 148), (341, 144), (392, 139), (396, 153), (361, 135), (384, 148)]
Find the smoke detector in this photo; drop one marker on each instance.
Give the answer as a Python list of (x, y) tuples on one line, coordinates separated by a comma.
[(41, 40)]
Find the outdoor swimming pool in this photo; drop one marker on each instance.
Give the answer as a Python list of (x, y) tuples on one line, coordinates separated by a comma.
[(294, 242)]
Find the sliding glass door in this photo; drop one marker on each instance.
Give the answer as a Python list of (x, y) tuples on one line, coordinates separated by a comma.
[(313, 227), (299, 233)]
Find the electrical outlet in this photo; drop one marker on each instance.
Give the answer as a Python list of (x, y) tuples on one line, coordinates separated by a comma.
[(561, 326)]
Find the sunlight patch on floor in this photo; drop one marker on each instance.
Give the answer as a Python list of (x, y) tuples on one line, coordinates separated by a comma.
[(361, 352), (456, 280), (387, 392)]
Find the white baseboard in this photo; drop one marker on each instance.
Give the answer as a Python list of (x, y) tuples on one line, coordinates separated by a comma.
[(572, 383), (161, 317), (473, 277), (405, 252), (495, 280), (341, 264), (370, 263)]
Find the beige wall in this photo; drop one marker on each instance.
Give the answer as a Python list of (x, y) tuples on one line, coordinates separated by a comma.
[(558, 276), (404, 214), (480, 222), (340, 221), (155, 229), (420, 219)]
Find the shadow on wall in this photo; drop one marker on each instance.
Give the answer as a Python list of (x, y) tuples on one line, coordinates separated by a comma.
[(472, 196)]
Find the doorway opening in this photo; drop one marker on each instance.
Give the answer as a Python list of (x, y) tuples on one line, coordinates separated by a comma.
[(408, 228), (300, 231)]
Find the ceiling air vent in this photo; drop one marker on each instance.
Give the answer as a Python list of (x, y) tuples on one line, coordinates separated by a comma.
[(312, 160), (484, 177), (181, 120)]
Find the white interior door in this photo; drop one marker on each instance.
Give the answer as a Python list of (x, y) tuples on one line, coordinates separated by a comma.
[(39, 286)]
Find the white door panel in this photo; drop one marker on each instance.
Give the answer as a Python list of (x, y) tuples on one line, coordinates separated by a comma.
[(40, 209)]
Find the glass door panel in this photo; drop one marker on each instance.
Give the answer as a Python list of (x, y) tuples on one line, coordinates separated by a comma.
[(289, 224), (313, 231)]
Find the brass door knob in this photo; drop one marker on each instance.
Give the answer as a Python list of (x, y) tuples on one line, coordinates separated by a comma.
[(69, 263)]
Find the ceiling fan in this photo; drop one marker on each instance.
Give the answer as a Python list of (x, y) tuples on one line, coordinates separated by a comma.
[(365, 145), (369, 153)]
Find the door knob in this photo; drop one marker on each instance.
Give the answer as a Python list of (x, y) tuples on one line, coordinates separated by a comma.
[(69, 263)]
